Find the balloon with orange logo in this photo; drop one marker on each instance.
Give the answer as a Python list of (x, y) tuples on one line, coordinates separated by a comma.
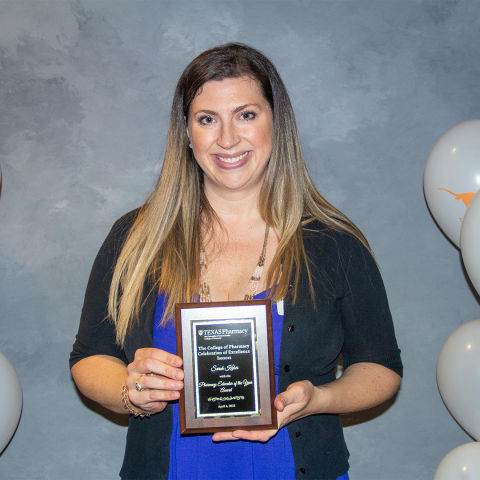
[(452, 176), (470, 241)]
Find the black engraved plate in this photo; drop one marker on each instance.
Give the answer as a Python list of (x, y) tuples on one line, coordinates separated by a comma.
[(225, 368)]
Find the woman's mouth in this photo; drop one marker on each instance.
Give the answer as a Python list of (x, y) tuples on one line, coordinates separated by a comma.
[(232, 159)]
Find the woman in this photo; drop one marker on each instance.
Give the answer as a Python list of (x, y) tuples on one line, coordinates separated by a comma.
[(234, 186)]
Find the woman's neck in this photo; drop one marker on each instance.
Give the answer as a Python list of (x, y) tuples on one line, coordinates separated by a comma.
[(235, 209)]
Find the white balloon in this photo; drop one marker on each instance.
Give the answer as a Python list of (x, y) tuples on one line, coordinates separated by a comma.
[(458, 376), (10, 401), (470, 241), (452, 176), (462, 463)]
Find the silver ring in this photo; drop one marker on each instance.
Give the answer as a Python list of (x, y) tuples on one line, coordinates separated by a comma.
[(138, 387)]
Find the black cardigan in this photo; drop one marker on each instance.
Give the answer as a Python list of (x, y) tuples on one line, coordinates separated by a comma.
[(351, 317)]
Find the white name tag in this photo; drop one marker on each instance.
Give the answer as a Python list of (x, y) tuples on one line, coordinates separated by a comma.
[(280, 307)]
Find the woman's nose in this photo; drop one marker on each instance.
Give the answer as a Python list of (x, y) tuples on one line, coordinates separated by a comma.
[(228, 137)]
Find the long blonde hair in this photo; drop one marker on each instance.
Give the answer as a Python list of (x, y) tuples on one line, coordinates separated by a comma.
[(164, 243)]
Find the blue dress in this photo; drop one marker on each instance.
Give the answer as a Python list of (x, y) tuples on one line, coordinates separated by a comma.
[(197, 457)]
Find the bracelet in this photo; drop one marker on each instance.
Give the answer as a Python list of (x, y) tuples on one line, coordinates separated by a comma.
[(129, 407)]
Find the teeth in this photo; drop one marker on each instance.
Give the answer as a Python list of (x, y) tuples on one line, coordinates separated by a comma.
[(234, 159)]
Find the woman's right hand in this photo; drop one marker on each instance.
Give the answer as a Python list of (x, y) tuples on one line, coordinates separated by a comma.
[(160, 376)]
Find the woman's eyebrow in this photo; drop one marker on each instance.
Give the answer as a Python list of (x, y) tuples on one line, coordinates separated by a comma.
[(238, 109), (241, 107), (208, 112)]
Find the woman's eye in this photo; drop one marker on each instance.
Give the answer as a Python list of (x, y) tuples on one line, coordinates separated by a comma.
[(248, 115), (205, 120)]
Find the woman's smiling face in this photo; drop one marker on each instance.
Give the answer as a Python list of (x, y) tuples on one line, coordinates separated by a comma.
[(230, 126)]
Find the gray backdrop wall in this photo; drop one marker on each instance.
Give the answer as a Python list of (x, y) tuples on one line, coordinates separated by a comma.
[(85, 93)]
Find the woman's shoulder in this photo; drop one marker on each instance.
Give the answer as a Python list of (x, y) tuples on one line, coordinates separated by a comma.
[(123, 225), (317, 233), (325, 244), (119, 232)]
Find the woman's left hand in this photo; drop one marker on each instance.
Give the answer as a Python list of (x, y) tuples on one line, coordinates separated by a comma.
[(362, 385), (291, 405)]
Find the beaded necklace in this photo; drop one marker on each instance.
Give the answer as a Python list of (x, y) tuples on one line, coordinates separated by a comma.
[(254, 279)]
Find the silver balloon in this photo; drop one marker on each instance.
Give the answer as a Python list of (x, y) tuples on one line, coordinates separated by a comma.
[(452, 176), (10, 401), (458, 376), (462, 463), (470, 241)]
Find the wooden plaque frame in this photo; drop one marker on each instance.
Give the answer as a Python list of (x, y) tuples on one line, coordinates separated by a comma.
[(214, 324)]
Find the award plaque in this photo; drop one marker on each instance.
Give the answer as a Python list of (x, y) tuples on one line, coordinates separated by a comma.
[(227, 352)]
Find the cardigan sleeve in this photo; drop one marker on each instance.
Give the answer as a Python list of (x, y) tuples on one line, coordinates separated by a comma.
[(96, 333), (369, 334)]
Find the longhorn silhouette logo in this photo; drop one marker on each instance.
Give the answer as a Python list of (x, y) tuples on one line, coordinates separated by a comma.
[(466, 198)]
